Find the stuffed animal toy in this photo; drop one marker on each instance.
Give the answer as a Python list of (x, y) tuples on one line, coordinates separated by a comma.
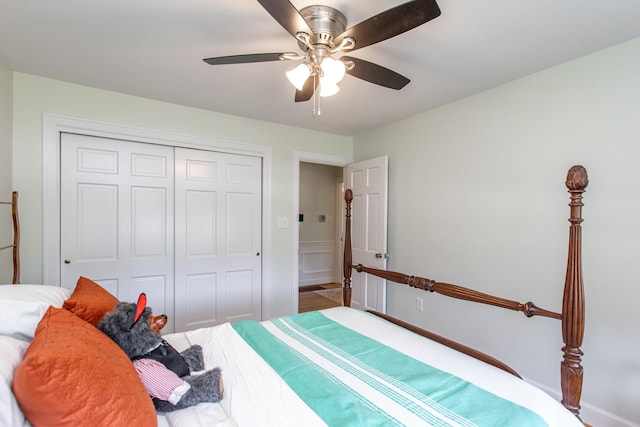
[(165, 373)]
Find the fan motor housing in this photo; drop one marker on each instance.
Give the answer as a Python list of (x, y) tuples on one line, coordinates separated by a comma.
[(325, 22)]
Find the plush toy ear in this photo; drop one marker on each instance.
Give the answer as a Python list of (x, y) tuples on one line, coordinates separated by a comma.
[(134, 316)]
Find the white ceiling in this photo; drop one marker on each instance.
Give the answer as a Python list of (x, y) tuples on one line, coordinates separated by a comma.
[(154, 49)]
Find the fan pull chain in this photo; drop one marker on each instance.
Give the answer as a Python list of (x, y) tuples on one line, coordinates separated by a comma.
[(316, 99)]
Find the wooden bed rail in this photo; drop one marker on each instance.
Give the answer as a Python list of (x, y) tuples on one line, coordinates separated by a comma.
[(454, 291), (572, 316), (16, 236)]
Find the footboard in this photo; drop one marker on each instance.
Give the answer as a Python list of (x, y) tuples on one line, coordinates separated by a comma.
[(572, 316)]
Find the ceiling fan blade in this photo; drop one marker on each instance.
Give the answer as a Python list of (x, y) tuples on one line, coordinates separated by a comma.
[(307, 91), (288, 16), (376, 74), (391, 23), (243, 59)]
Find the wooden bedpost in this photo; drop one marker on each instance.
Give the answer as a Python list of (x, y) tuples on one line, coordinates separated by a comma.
[(346, 290), (16, 238), (573, 298)]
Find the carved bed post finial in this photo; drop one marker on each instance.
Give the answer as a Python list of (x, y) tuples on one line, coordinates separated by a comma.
[(573, 298), (346, 290)]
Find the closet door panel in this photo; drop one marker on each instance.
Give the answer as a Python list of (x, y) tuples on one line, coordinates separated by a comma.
[(218, 238), (239, 294), (97, 223), (116, 218), (148, 222), (239, 234), (201, 299), (201, 223)]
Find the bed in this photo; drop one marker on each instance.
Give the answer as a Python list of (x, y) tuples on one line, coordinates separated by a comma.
[(336, 367)]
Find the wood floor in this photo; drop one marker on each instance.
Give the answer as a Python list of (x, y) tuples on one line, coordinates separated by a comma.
[(309, 301)]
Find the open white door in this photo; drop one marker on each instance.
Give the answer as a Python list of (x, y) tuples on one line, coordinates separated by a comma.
[(368, 180)]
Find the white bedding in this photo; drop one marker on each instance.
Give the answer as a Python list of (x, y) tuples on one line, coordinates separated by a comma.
[(256, 396), (255, 393), (21, 308), (11, 352)]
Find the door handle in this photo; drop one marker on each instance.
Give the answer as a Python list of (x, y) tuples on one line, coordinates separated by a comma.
[(67, 261), (381, 255)]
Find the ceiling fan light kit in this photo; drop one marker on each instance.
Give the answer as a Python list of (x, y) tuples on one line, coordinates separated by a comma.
[(299, 75), (321, 33)]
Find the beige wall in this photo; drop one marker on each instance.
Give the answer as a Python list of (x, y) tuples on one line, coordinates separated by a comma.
[(484, 180), (318, 250), (6, 186), (318, 197), (35, 96)]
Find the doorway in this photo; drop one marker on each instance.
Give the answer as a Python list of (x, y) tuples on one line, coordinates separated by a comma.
[(319, 222), (298, 158)]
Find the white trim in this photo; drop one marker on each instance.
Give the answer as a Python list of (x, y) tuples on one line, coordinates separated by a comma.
[(304, 156), (590, 414), (53, 125), (339, 240)]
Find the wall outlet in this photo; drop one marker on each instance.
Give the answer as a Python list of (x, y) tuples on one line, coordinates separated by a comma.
[(419, 304)]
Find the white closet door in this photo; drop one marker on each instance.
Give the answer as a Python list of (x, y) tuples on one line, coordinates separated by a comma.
[(368, 180), (218, 238), (117, 217)]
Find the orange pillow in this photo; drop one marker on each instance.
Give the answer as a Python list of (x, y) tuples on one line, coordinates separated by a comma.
[(73, 374), (90, 301)]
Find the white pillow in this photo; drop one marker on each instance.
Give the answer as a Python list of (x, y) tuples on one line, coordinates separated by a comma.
[(22, 307), (11, 352)]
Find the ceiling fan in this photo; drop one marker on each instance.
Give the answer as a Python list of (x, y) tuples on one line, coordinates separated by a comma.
[(321, 33)]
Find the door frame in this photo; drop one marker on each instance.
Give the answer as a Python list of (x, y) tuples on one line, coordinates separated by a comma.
[(309, 157), (53, 125), (340, 219)]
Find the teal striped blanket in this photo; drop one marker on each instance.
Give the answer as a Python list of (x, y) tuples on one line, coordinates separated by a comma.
[(347, 378), (344, 367)]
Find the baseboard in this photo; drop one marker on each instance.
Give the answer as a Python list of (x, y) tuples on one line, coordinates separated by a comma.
[(318, 286), (590, 414), (310, 288), (598, 417)]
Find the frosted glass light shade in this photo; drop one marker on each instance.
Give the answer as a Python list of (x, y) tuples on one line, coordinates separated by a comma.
[(298, 75), (333, 69), (328, 88)]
